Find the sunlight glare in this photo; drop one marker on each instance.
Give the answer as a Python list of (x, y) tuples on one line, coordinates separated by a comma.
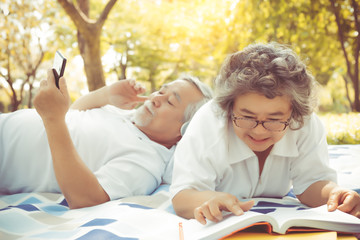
[(174, 46), (233, 5)]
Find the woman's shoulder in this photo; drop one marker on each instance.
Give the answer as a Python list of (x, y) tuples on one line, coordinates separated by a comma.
[(312, 132), (313, 124), (208, 118)]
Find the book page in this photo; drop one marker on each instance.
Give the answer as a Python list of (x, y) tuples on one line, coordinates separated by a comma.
[(318, 217), (280, 214), (231, 223), (279, 209), (290, 236)]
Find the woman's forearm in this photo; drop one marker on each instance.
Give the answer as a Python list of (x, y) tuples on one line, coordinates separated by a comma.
[(187, 200), (317, 194)]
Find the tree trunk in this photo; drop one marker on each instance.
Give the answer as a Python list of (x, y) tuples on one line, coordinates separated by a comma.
[(353, 73), (345, 77), (123, 66), (356, 94), (93, 65), (89, 32), (89, 47), (356, 80)]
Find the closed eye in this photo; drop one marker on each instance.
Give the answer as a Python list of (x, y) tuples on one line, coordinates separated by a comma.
[(274, 120), (248, 117)]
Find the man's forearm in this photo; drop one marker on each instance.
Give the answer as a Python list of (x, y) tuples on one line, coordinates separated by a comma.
[(78, 184), (95, 99)]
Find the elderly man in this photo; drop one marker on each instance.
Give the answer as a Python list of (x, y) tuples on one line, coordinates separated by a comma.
[(101, 148)]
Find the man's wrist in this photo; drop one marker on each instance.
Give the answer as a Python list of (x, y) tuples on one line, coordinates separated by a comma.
[(54, 123)]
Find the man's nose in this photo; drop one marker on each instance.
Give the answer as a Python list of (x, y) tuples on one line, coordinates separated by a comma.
[(157, 99)]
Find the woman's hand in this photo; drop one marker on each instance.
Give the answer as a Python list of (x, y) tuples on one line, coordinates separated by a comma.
[(345, 200), (212, 208)]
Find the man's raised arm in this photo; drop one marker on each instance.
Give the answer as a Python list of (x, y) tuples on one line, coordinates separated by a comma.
[(78, 184), (122, 94)]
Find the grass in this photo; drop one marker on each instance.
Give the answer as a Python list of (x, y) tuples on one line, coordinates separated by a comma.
[(342, 128)]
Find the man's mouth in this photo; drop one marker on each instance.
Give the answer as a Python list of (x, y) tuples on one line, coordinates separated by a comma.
[(148, 107)]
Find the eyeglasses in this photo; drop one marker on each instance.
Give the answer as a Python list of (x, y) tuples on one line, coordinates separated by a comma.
[(274, 126)]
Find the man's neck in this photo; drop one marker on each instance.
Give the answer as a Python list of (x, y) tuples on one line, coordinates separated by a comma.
[(160, 139)]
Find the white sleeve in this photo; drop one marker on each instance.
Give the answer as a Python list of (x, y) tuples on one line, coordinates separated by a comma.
[(312, 164), (195, 156), (125, 178), (167, 176)]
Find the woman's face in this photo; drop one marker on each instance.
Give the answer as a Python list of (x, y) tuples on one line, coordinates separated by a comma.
[(253, 106)]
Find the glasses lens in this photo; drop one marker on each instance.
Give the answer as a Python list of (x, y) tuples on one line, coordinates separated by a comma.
[(274, 126), (245, 123)]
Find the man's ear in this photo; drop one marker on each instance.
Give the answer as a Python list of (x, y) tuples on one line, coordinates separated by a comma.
[(184, 127)]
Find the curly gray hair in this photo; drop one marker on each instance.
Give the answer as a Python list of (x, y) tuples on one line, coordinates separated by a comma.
[(271, 70)]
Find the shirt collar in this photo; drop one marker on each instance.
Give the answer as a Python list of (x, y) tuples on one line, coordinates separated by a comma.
[(238, 150), (286, 147)]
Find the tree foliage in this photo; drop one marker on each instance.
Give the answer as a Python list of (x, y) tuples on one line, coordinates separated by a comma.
[(347, 18), (320, 31), (156, 40), (22, 49), (89, 33)]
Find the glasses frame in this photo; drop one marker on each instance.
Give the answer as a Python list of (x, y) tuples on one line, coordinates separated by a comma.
[(234, 118)]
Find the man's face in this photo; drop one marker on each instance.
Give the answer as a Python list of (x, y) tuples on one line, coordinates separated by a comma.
[(161, 117), (254, 106)]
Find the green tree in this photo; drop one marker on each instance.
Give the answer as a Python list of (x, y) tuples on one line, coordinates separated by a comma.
[(22, 49), (121, 35), (89, 36), (347, 18), (164, 40), (309, 27)]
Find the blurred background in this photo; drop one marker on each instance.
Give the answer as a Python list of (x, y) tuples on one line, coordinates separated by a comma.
[(154, 41)]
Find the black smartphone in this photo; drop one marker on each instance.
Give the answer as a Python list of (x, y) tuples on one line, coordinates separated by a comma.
[(58, 67)]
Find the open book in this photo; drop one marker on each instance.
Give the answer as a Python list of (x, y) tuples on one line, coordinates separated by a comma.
[(281, 216), (136, 218)]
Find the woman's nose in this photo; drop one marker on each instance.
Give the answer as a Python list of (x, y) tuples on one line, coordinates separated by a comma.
[(259, 129)]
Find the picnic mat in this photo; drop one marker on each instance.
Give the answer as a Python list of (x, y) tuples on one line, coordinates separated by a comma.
[(47, 216)]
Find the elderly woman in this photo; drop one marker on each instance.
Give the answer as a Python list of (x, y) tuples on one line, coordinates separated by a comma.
[(259, 137)]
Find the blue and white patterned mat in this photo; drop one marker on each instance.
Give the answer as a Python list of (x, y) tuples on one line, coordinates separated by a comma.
[(345, 159), (47, 216)]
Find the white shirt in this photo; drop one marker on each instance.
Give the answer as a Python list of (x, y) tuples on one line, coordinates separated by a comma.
[(125, 161), (210, 156)]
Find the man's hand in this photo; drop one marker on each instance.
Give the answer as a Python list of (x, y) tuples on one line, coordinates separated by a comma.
[(344, 200), (124, 94), (76, 181), (212, 208), (50, 102)]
